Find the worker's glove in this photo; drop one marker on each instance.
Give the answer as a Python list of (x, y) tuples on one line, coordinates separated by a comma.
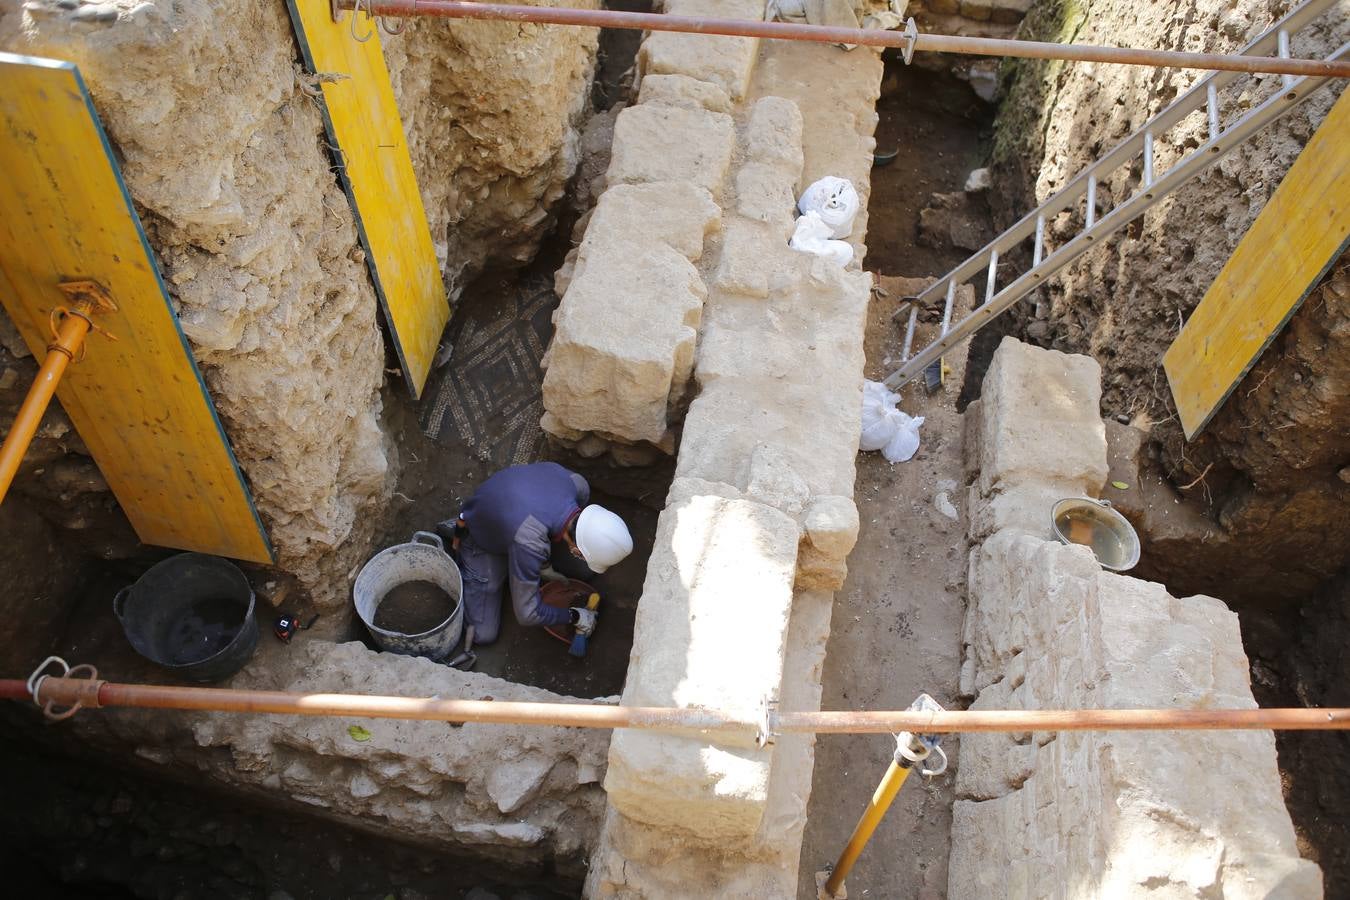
[(548, 573), (583, 619)]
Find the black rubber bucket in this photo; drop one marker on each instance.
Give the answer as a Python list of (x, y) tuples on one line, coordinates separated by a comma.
[(191, 614)]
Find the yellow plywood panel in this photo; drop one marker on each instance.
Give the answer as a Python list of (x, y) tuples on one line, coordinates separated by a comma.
[(362, 120), (138, 402), (1299, 234)]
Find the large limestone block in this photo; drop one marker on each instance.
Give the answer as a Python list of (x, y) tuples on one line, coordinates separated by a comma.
[(683, 91), (727, 62), (810, 331), (669, 143), (744, 266), (676, 213), (1040, 418), (774, 136), (817, 432), (624, 341), (710, 632), (714, 611), (764, 193)]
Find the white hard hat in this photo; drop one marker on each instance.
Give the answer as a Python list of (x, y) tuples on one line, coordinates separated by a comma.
[(602, 538)]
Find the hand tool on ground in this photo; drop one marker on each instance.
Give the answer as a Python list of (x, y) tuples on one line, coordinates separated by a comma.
[(466, 659), (287, 624)]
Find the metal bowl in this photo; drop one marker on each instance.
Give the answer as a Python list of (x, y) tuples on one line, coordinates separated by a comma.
[(1096, 525)]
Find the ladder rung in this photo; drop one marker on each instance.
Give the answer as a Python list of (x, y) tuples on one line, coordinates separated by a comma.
[(1212, 108), (1282, 39), (993, 277), (947, 309), (1148, 161), (909, 330)]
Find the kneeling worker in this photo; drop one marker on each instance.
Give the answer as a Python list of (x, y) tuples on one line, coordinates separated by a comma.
[(515, 524)]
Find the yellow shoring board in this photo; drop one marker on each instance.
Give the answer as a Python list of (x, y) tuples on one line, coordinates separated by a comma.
[(138, 402), (376, 170), (1292, 243)]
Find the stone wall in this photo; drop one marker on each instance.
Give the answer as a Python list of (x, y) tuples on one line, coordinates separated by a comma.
[(1267, 509), (522, 795), (1096, 813), (256, 240), (684, 287)]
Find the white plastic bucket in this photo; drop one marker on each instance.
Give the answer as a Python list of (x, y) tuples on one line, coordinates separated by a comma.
[(421, 559)]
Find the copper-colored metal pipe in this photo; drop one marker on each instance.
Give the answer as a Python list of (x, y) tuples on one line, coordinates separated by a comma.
[(67, 344), (93, 693), (938, 43)]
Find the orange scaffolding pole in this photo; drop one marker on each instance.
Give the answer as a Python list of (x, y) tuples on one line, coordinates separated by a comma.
[(93, 693), (908, 40)]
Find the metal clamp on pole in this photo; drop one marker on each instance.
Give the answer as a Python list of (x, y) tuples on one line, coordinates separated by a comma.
[(83, 693), (911, 749), (69, 326), (911, 36)]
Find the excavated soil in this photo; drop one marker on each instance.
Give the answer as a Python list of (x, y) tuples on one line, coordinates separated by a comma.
[(413, 607), (75, 829)]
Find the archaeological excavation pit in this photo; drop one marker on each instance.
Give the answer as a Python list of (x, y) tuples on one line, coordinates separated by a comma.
[(338, 266)]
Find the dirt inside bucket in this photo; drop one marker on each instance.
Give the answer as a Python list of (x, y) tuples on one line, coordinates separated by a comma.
[(204, 629), (413, 607)]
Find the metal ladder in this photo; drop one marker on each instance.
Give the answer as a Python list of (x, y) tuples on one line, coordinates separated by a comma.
[(1080, 194)]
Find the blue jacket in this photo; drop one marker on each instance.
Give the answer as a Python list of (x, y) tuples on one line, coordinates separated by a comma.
[(518, 513)]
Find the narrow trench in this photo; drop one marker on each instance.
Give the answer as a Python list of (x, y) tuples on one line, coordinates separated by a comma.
[(79, 830)]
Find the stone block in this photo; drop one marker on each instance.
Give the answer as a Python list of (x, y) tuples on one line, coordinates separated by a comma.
[(774, 482), (818, 571), (725, 9), (765, 194), (684, 92), (809, 331), (1040, 419), (1008, 12), (774, 136), (832, 525), (677, 213), (727, 62), (1047, 628), (1023, 505), (624, 341), (707, 794), (817, 431), (747, 251), (710, 632), (669, 143), (979, 10), (694, 644)]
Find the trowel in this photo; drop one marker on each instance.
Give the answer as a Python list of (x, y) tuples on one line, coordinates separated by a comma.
[(466, 658)]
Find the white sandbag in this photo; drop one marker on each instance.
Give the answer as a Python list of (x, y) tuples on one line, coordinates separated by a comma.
[(886, 428), (812, 235), (835, 201)]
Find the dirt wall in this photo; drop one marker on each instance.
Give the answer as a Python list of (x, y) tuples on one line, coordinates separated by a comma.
[(1271, 459), (222, 146), (493, 112), (224, 156)]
